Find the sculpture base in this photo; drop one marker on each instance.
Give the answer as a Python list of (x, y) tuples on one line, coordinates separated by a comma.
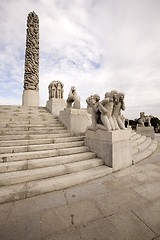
[(114, 147), (55, 105), (147, 131), (76, 120), (30, 98)]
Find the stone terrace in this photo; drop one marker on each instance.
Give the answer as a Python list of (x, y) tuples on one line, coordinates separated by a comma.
[(121, 206)]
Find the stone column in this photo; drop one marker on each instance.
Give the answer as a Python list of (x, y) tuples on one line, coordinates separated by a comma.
[(31, 76)]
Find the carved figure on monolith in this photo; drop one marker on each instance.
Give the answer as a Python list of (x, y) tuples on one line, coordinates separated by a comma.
[(30, 95), (31, 75)]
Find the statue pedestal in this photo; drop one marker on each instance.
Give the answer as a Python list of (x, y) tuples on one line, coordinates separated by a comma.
[(76, 120), (30, 98), (147, 131), (55, 105), (114, 147)]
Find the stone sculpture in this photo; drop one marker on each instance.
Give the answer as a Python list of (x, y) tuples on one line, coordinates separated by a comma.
[(93, 103), (73, 98), (31, 75), (144, 119), (116, 114), (56, 90), (106, 114)]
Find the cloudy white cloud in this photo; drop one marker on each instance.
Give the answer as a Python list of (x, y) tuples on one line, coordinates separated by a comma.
[(96, 46)]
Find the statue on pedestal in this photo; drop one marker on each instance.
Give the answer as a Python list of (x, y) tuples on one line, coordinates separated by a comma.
[(144, 119), (73, 98), (106, 114), (56, 89), (93, 103), (116, 114)]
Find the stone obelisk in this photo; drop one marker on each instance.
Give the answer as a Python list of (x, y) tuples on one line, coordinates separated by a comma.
[(30, 95)]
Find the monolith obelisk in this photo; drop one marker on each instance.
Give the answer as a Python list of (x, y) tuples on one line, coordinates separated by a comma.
[(31, 76)]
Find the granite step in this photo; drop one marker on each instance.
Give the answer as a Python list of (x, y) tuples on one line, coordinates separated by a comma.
[(68, 139), (40, 147), (40, 141), (145, 144), (138, 141), (133, 133), (135, 137), (45, 162), (47, 172), (10, 157), (28, 128), (38, 187), (6, 127), (35, 136), (32, 132), (145, 153)]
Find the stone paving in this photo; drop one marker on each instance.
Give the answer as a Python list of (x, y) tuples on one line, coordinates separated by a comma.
[(122, 206)]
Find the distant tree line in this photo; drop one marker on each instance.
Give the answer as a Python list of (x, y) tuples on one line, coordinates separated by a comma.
[(155, 122)]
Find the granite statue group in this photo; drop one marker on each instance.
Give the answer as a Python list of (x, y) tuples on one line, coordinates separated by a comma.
[(106, 114), (56, 90), (144, 120)]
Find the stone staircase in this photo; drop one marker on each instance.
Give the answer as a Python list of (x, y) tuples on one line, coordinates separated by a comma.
[(142, 147), (39, 155)]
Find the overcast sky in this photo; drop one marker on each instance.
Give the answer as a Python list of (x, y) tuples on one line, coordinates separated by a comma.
[(94, 45)]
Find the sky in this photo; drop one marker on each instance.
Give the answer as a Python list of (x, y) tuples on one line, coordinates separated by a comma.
[(95, 45)]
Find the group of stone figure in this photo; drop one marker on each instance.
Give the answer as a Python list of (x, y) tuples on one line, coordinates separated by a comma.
[(106, 114), (144, 120), (56, 90)]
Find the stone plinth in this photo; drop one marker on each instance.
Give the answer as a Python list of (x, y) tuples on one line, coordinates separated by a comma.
[(147, 131), (30, 98), (76, 120), (55, 105), (114, 147)]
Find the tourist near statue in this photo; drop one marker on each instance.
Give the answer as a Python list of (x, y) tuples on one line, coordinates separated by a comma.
[(73, 98)]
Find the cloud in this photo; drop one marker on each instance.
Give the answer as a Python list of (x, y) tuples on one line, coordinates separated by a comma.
[(96, 46)]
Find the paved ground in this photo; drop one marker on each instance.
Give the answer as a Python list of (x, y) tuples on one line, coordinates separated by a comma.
[(121, 206)]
